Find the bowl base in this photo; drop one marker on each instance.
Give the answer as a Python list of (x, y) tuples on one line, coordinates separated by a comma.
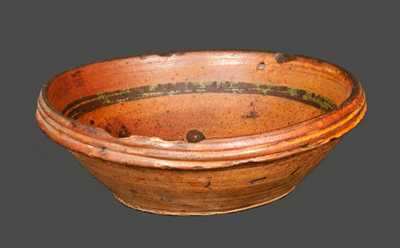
[(182, 213)]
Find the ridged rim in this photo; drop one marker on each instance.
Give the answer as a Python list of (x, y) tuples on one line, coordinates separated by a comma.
[(213, 153)]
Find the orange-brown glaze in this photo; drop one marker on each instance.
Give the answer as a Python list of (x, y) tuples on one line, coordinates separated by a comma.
[(201, 133)]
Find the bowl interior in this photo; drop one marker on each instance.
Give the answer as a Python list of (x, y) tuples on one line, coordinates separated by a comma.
[(217, 94)]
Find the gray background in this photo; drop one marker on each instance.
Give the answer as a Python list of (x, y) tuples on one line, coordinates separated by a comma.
[(49, 200)]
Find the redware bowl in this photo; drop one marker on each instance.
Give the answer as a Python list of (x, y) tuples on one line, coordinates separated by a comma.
[(201, 133)]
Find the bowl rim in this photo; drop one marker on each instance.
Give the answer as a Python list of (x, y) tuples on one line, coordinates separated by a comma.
[(210, 153)]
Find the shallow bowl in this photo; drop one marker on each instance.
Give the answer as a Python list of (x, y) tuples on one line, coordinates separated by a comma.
[(201, 133)]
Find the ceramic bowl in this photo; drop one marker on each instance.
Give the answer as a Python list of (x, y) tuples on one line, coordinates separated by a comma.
[(204, 132)]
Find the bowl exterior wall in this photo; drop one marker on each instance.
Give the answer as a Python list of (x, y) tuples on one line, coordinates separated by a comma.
[(204, 192)]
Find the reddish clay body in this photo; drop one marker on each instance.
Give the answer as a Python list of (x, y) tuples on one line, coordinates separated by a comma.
[(201, 133)]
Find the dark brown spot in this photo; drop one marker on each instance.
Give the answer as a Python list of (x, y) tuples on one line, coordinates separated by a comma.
[(251, 115), (257, 180), (333, 139), (207, 184), (123, 132), (166, 167), (194, 136), (76, 73), (304, 146), (103, 150), (77, 77), (284, 57), (91, 122), (261, 66), (168, 54)]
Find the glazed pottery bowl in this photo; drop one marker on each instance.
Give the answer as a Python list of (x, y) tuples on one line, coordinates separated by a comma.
[(201, 133)]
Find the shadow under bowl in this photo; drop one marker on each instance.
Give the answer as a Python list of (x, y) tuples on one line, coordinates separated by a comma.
[(201, 133)]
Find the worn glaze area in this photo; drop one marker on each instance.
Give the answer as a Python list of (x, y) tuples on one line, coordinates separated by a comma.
[(201, 133)]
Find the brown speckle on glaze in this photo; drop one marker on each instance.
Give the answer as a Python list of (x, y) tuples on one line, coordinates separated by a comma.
[(261, 66), (123, 132), (194, 136), (251, 114), (281, 58), (256, 180)]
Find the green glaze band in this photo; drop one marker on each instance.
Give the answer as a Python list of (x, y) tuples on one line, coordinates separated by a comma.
[(89, 103)]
